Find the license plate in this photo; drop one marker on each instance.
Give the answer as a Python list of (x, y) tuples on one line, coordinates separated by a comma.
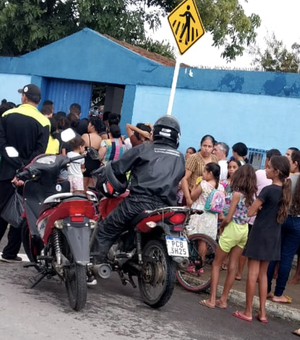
[(177, 246)]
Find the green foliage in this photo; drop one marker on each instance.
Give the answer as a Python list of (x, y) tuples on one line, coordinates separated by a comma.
[(229, 26), (30, 24), (276, 57)]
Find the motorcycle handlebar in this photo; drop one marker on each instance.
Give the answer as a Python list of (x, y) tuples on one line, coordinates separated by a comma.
[(26, 174)]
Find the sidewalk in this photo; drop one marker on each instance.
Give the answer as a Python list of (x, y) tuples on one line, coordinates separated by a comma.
[(288, 311)]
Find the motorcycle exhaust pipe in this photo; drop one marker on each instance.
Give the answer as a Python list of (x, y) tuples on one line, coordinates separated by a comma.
[(102, 270), (182, 262)]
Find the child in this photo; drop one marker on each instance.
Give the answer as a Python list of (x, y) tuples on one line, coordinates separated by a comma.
[(290, 237), (180, 197), (207, 223), (76, 168), (234, 232), (264, 241), (232, 166)]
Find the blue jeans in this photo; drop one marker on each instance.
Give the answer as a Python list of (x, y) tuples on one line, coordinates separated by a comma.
[(290, 241)]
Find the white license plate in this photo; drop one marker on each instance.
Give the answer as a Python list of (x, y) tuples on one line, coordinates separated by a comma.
[(177, 246)]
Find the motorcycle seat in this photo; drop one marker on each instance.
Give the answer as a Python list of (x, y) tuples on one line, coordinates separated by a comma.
[(139, 218)]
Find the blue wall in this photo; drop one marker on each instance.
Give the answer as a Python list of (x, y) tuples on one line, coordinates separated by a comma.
[(9, 85), (262, 122), (258, 108)]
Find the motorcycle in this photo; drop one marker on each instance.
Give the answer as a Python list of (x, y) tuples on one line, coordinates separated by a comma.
[(56, 226), (150, 250)]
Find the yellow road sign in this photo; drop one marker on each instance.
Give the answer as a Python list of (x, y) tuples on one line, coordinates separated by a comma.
[(186, 25)]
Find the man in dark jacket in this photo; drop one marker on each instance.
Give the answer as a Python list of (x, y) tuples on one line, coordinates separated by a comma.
[(27, 130), (156, 169)]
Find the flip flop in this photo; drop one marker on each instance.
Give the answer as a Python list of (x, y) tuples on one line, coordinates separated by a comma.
[(297, 332), (238, 315), (288, 299), (218, 305), (270, 296), (224, 266), (205, 304), (262, 320), (238, 279)]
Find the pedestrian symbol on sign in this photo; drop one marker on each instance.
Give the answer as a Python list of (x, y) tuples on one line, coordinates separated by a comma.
[(188, 16), (186, 25)]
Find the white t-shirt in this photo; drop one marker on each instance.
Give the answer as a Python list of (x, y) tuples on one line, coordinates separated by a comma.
[(224, 169), (261, 182), (75, 167)]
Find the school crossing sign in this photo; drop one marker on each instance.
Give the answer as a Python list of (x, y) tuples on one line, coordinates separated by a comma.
[(186, 25)]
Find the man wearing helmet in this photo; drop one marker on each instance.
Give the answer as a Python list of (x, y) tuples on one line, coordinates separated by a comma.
[(156, 169)]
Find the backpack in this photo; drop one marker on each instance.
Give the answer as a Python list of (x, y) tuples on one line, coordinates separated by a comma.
[(215, 202)]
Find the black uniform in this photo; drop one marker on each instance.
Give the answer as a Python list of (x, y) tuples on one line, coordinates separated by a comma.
[(156, 170), (26, 129)]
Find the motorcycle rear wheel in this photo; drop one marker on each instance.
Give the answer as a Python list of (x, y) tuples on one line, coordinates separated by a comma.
[(157, 279), (198, 278), (75, 280)]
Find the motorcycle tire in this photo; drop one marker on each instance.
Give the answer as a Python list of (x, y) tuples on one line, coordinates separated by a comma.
[(75, 281), (26, 240), (158, 276), (197, 276)]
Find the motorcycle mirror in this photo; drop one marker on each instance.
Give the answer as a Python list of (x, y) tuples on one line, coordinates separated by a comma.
[(11, 152), (68, 135)]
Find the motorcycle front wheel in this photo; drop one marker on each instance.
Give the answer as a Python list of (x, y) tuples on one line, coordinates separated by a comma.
[(75, 280), (158, 275), (26, 240)]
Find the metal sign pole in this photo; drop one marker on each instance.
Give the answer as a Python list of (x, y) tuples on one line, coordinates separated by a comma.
[(173, 88)]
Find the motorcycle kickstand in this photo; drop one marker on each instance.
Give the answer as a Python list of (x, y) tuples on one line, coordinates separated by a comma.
[(125, 281), (131, 281), (37, 279)]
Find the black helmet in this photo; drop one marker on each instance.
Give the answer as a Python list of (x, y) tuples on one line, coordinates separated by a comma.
[(107, 183), (167, 127)]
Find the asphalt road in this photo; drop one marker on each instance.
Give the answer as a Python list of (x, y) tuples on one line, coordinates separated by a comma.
[(115, 312)]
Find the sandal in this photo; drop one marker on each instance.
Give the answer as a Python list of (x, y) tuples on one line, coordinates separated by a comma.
[(205, 304), (241, 316), (262, 320), (224, 266), (288, 299)]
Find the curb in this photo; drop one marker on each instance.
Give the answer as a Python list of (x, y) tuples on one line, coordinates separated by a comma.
[(273, 309)]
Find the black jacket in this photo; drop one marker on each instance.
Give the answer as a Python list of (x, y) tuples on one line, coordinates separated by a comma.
[(27, 130), (156, 170)]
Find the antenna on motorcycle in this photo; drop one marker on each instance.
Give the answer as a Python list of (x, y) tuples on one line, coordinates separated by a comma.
[(11, 152), (68, 135)]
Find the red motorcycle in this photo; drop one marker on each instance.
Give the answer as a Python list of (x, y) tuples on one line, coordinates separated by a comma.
[(57, 225), (150, 250)]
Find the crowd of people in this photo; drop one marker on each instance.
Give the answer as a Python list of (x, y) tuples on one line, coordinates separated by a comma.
[(260, 221)]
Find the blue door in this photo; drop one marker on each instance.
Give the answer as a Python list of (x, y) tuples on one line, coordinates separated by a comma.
[(63, 93)]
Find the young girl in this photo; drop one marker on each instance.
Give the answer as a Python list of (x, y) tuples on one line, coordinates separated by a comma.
[(76, 168), (207, 223), (233, 165), (180, 196), (264, 241), (234, 232), (290, 237)]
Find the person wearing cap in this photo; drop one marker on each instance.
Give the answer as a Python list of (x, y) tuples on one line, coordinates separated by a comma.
[(27, 130)]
